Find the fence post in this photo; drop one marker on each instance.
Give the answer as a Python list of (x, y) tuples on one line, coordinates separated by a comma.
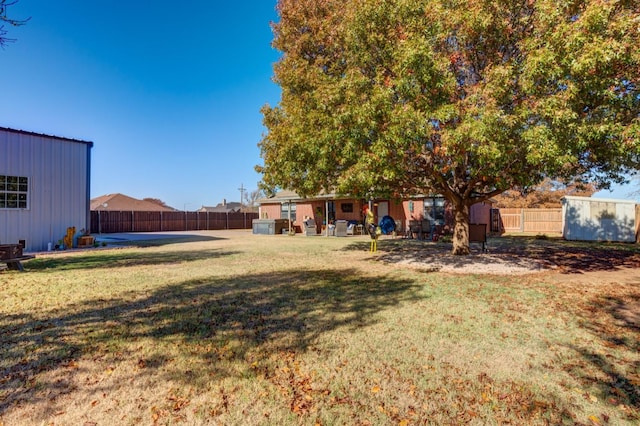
[(521, 220)]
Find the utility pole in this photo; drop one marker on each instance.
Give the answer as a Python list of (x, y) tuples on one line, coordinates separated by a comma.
[(241, 189)]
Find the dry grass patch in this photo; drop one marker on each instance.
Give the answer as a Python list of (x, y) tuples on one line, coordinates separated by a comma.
[(238, 329)]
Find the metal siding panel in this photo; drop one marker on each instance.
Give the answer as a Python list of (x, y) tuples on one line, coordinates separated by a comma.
[(58, 187), (584, 224), (574, 219), (625, 218)]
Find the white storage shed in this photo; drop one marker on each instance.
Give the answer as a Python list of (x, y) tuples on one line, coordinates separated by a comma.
[(44, 187), (598, 219)]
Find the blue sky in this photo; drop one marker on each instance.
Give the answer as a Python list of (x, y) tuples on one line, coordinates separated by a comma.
[(169, 92)]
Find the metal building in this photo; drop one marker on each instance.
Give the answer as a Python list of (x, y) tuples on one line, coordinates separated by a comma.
[(598, 219), (44, 187)]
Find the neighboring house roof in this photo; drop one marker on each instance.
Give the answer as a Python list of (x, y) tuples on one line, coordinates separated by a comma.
[(121, 202), (223, 207)]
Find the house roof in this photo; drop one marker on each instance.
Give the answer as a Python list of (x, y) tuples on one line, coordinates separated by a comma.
[(222, 207), (121, 202), (286, 196), (290, 196)]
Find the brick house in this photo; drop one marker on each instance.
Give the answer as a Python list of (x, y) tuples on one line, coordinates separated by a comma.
[(332, 207)]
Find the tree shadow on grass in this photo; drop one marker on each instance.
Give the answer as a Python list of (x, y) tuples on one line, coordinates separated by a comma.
[(153, 239), (237, 318), (120, 258), (572, 257), (569, 257), (615, 320)]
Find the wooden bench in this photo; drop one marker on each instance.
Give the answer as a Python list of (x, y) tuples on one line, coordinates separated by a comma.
[(16, 263), (478, 234), (11, 257)]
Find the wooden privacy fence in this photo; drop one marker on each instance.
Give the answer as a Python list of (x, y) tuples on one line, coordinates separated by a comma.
[(527, 220), (137, 221)]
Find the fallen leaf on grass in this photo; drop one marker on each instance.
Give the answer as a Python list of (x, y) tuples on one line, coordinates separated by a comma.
[(375, 389), (71, 364), (590, 397), (178, 403)]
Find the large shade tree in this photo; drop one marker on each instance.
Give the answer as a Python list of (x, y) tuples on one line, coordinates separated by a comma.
[(465, 98)]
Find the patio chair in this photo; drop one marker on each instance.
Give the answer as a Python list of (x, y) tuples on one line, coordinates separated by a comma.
[(341, 228), (351, 227), (309, 227), (415, 228)]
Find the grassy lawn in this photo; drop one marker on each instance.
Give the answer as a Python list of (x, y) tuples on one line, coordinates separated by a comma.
[(235, 328)]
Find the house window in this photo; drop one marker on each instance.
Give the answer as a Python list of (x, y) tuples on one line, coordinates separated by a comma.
[(346, 207), (284, 211), (434, 210), (13, 192)]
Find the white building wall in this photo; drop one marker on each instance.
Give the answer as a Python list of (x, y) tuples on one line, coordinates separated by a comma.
[(598, 219), (58, 171)]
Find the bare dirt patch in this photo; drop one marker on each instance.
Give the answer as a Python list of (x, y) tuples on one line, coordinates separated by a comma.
[(513, 256), (475, 263)]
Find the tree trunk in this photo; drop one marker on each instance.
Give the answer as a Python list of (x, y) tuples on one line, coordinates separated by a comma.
[(460, 229)]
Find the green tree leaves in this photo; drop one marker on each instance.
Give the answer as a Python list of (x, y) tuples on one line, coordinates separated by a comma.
[(466, 99)]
